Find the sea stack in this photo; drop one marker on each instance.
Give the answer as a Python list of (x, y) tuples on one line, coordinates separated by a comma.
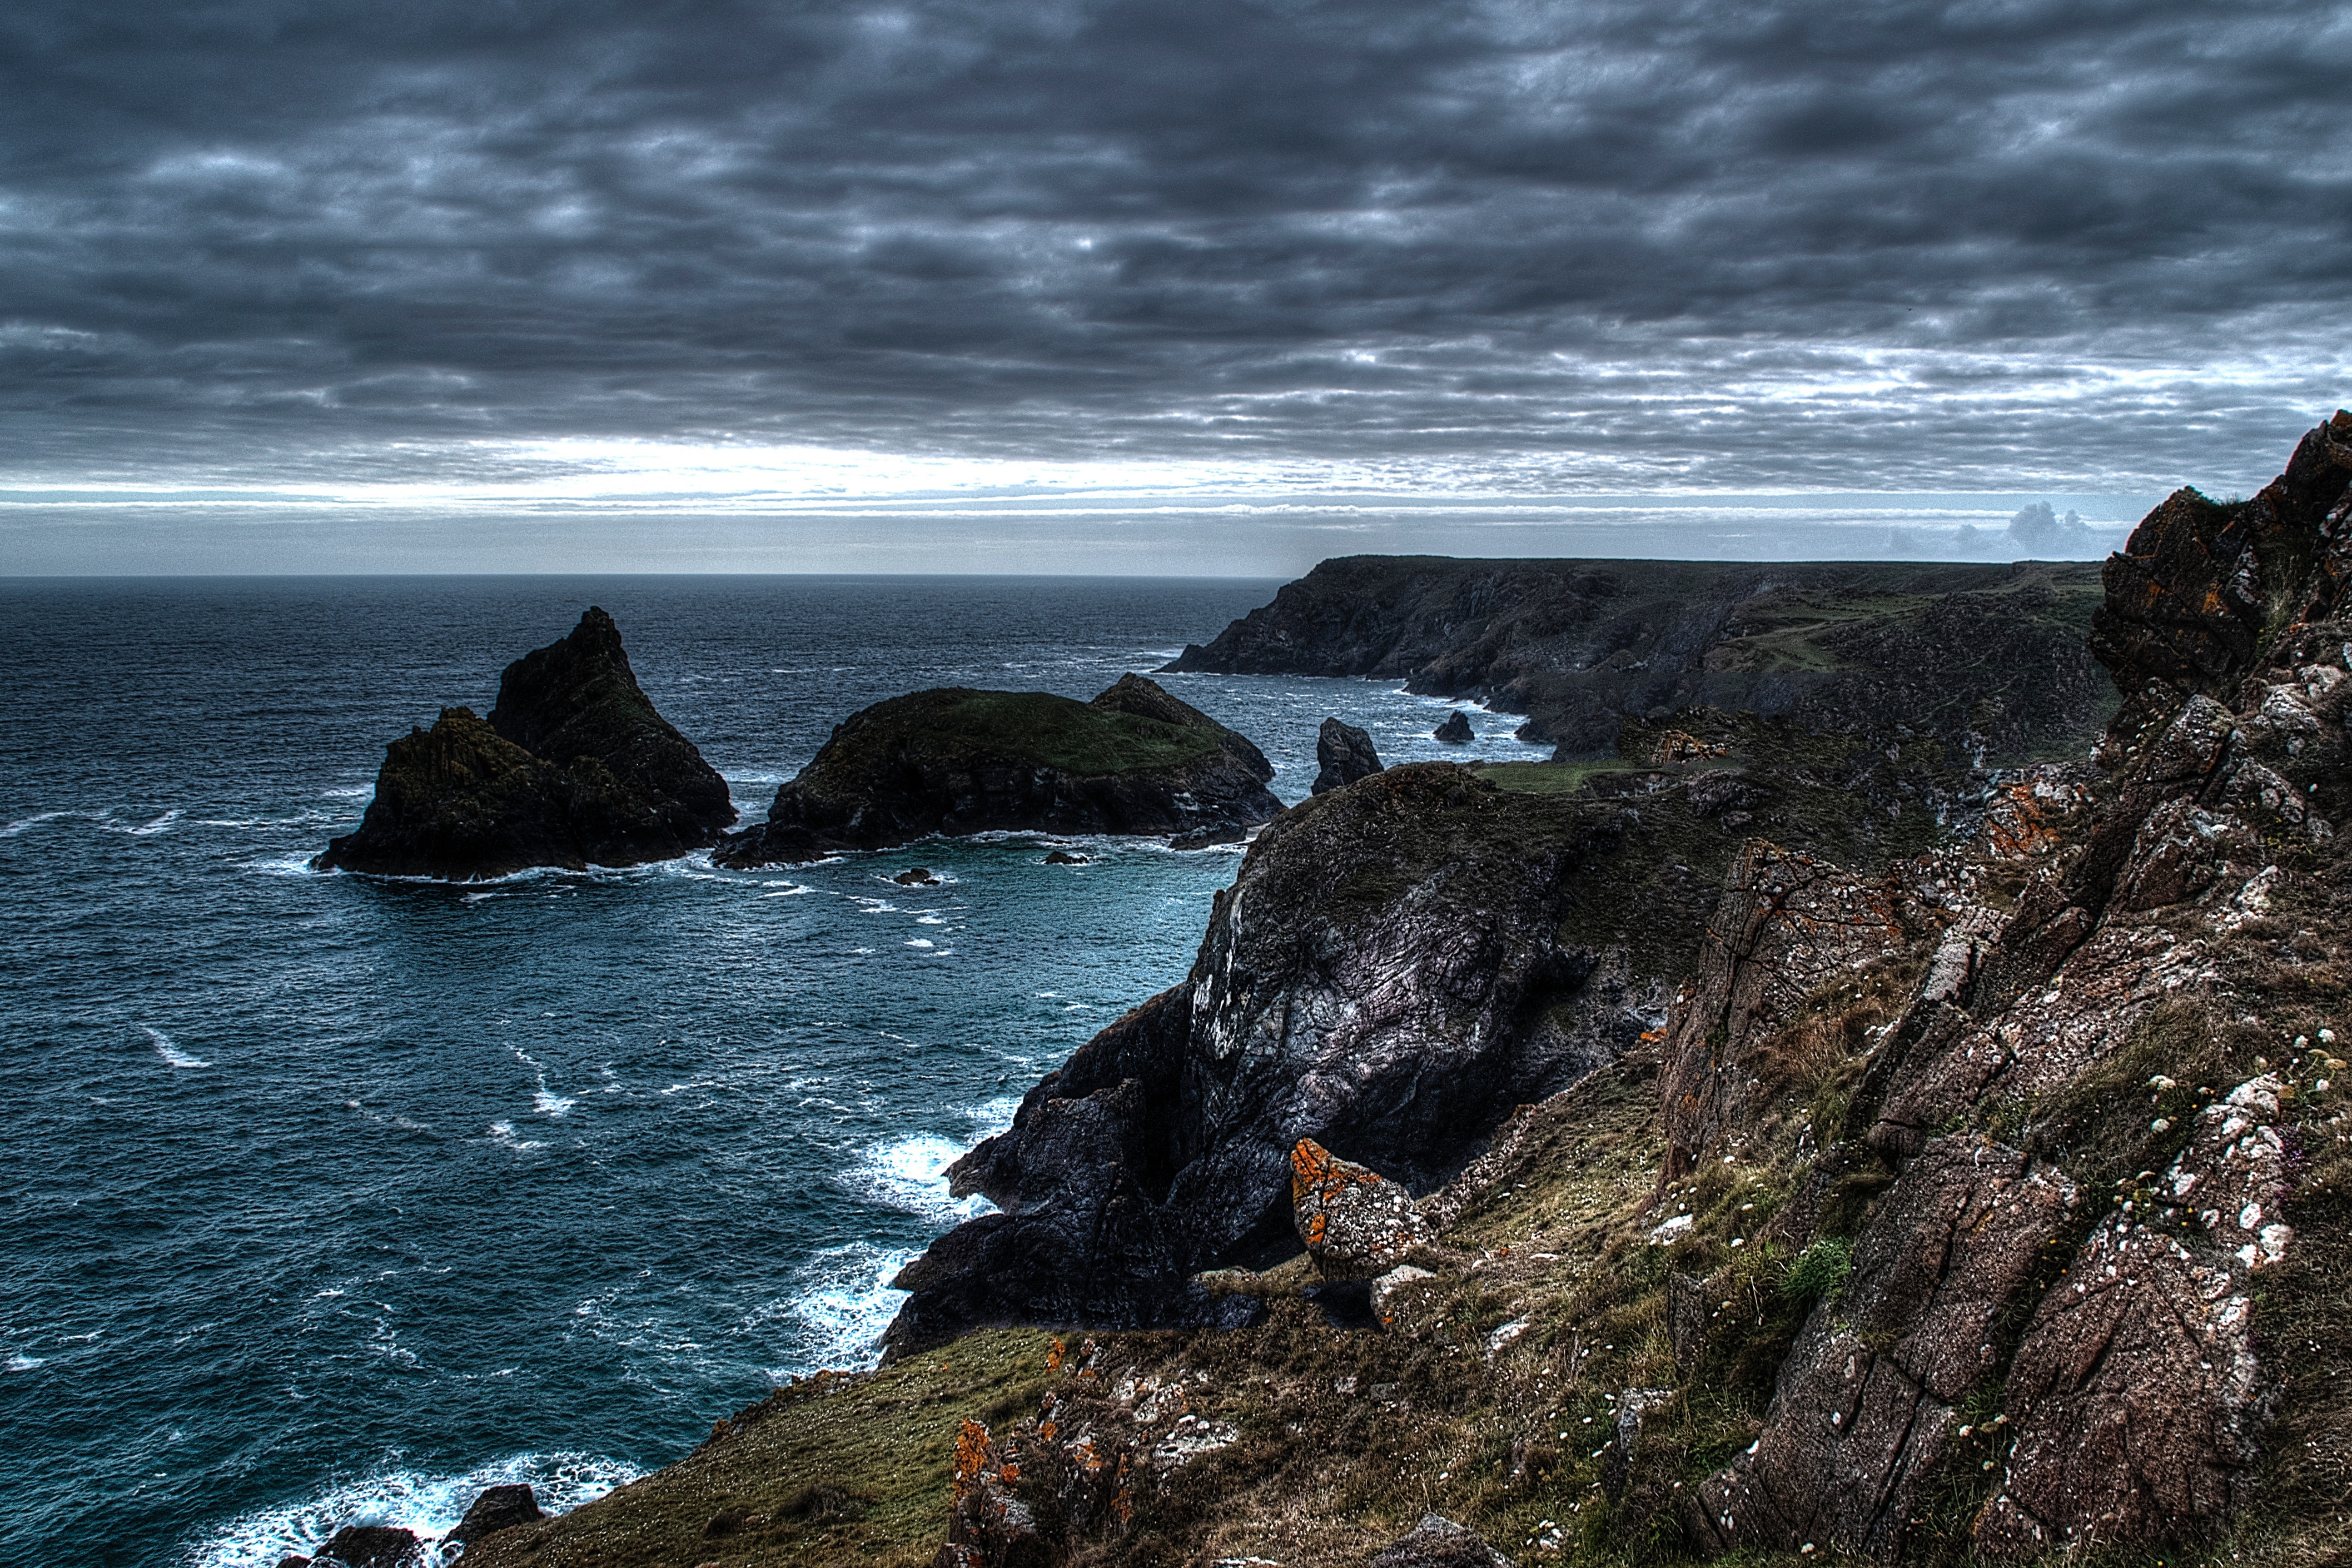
[(1455, 730), (1343, 754), (956, 761), (574, 768)]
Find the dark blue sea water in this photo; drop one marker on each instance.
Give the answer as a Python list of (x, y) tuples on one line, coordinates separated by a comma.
[(330, 1198)]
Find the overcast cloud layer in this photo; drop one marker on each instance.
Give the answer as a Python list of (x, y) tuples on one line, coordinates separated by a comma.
[(466, 254)]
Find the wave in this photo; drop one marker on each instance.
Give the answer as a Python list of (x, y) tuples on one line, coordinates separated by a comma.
[(430, 1504), (503, 1133), (352, 792), (910, 1173), (23, 824), (170, 1052), (844, 1304), (22, 1362), (160, 824)]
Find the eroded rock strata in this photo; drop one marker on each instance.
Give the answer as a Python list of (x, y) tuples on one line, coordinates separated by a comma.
[(574, 768), (955, 760)]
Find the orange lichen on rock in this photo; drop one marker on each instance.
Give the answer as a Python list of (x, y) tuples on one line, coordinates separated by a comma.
[(1356, 1223)]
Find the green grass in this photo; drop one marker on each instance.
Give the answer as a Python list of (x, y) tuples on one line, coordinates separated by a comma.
[(958, 726), (1551, 777)]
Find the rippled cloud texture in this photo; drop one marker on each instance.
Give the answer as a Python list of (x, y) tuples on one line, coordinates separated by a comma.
[(446, 258)]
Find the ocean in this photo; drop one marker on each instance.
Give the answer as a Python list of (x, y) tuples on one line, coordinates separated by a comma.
[(331, 1198)]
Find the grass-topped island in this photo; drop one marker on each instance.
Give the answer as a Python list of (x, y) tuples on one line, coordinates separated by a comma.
[(955, 760)]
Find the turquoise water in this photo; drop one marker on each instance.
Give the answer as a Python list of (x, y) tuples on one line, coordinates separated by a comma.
[(330, 1198)]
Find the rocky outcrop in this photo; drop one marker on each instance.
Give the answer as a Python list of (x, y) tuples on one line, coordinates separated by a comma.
[(371, 1546), (959, 761), (1343, 754), (1988, 660), (498, 1507), (1397, 965), (2072, 1220), (1355, 1223), (1455, 730), (574, 768)]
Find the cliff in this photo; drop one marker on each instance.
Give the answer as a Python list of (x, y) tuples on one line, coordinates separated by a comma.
[(1990, 660), (955, 760), (574, 768), (1984, 1195)]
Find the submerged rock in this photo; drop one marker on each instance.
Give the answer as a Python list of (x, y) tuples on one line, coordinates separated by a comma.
[(956, 761), (916, 876), (1343, 754), (1063, 857), (574, 768), (1455, 730)]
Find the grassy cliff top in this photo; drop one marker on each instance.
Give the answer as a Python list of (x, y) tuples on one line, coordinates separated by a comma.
[(957, 725)]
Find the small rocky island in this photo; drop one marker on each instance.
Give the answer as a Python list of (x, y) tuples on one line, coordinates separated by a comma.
[(573, 768), (954, 760)]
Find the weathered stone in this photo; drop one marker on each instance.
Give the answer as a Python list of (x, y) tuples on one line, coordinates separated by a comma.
[(1455, 730), (1343, 754), (1356, 1223), (1438, 1542), (2137, 1393), (371, 1546), (498, 1507), (1862, 1423)]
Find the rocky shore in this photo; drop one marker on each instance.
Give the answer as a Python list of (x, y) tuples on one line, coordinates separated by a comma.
[(959, 761), (1752, 1145)]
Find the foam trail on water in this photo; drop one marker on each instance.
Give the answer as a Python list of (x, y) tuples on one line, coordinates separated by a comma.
[(169, 1052), (22, 823), (911, 1174), (429, 1504), (844, 1303)]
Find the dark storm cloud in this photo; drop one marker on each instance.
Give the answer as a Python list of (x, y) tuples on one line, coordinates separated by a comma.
[(1777, 243)]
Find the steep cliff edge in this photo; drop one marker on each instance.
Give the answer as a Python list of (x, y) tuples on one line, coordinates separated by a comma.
[(1990, 660), (574, 767), (954, 760), (1980, 1199)]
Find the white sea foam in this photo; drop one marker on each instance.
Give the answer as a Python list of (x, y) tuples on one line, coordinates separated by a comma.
[(170, 1052), (22, 823), (351, 792), (548, 1104), (503, 1133), (429, 1504), (159, 825), (843, 1305), (292, 862), (22, 1362), (922, 942), (911, 1174)]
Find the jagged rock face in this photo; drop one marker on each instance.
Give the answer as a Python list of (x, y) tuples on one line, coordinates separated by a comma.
[(574, 769), (498, 1507), (2133, 1391), (1353, 1221), (1455, 730), (1580, 646), (1788, 923), (1392, 971), (1343, 754), (955, 760)]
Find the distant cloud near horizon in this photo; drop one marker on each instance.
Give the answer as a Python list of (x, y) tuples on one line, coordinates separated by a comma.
[(263, 257)]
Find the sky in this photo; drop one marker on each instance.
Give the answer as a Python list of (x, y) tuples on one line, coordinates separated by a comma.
[(1154, 285)]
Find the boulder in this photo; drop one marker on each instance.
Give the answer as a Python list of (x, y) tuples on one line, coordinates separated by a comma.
[(1343, 754), (371, 1546), (574, 768), (1438, 1542), (1356, 1223), (956, 761), (1455, 730), (1063, 857), (498, 1507), (916, 876)]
